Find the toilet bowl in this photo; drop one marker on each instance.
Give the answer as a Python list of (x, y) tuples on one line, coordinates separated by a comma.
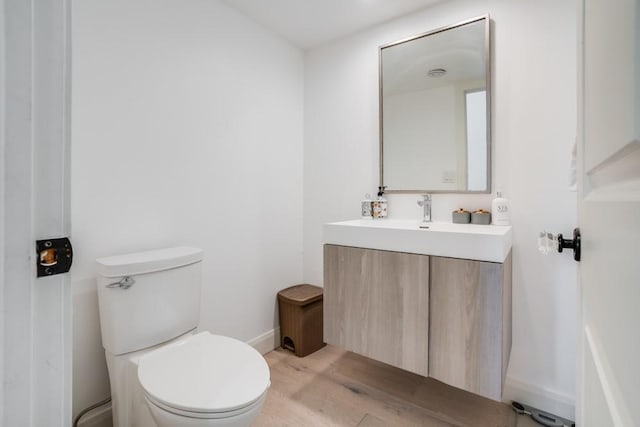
[(161, 374), (165, 418), (205, 380)]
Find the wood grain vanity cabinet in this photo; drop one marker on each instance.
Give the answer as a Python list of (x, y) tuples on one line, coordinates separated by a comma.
[(446, 318), (376, 303), (470, 333)]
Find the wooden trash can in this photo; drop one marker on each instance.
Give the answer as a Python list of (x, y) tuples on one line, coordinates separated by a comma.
[(300, 309)]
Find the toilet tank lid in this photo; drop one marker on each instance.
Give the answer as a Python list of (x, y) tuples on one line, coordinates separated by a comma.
[(147, 262)]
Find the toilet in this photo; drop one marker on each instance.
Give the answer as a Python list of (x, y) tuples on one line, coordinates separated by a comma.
[(163, 373)]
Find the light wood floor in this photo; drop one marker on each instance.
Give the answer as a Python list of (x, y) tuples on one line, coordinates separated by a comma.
[(332, 387)]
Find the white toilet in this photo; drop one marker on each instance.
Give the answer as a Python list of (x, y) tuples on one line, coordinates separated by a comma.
[(162, 374)]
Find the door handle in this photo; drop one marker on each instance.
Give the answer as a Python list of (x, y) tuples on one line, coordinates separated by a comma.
[(574, 243), (548, 242)]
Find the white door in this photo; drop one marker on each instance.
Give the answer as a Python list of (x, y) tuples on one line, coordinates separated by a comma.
[(35, 313), (609, 212)]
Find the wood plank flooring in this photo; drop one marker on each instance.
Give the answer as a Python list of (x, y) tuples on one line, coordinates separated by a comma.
[(332, 387)]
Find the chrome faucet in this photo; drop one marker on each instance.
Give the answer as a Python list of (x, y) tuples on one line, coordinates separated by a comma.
[(426, 206)]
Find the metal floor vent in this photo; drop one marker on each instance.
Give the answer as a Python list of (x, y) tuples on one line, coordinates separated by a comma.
[(541, 417)]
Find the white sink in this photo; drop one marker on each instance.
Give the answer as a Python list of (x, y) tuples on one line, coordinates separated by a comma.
[(468, 241)]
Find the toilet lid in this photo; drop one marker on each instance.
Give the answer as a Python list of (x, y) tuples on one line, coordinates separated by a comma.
[(205, 373)]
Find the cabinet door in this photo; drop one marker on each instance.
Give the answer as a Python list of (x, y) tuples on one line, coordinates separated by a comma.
[(470, 331), (376, 303)]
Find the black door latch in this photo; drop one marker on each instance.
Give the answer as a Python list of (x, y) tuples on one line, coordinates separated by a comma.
[(54, 256)]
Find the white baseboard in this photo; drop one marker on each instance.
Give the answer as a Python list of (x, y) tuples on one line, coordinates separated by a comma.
[(99, 417), (542, 398), (266, 342)]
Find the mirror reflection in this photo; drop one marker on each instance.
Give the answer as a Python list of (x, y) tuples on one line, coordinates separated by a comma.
[(434, 98)]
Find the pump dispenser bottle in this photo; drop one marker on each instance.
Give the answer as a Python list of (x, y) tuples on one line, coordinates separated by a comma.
[(380, 206), (500, 210)]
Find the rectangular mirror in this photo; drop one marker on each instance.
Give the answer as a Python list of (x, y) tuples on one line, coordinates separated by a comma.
[(435, 98)]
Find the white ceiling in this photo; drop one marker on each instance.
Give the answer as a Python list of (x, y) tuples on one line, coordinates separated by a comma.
[(310, 23)]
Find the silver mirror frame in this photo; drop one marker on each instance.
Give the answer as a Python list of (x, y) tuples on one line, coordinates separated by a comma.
[(487, 37)]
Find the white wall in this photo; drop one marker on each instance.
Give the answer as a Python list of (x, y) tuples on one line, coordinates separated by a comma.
[(187, 130), (534, 119)]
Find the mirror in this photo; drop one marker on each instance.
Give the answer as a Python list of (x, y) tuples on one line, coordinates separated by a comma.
[(435, 98)]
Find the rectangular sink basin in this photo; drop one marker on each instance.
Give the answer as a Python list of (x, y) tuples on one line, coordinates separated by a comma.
[(467, 241)]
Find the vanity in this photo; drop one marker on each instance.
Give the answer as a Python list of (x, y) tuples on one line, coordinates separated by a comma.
[(436, 301)]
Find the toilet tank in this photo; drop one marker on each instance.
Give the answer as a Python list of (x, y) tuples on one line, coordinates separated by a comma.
[(147, 298)]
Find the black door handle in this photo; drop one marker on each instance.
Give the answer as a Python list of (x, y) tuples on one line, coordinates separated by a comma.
[(574, 243)]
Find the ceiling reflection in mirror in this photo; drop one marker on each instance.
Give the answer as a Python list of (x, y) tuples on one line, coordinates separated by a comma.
[(434, 111)]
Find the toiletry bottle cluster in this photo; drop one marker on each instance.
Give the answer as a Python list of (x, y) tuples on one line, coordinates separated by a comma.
[(378, 208), (499, 214)]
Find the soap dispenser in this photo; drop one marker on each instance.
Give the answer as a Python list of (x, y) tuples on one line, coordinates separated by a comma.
[(500, 209), (380, 206)]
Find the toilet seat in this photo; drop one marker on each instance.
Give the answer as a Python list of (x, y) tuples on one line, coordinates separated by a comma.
[(205, 376)]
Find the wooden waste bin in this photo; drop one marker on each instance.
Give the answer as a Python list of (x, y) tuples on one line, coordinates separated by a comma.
[(301, 319)]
